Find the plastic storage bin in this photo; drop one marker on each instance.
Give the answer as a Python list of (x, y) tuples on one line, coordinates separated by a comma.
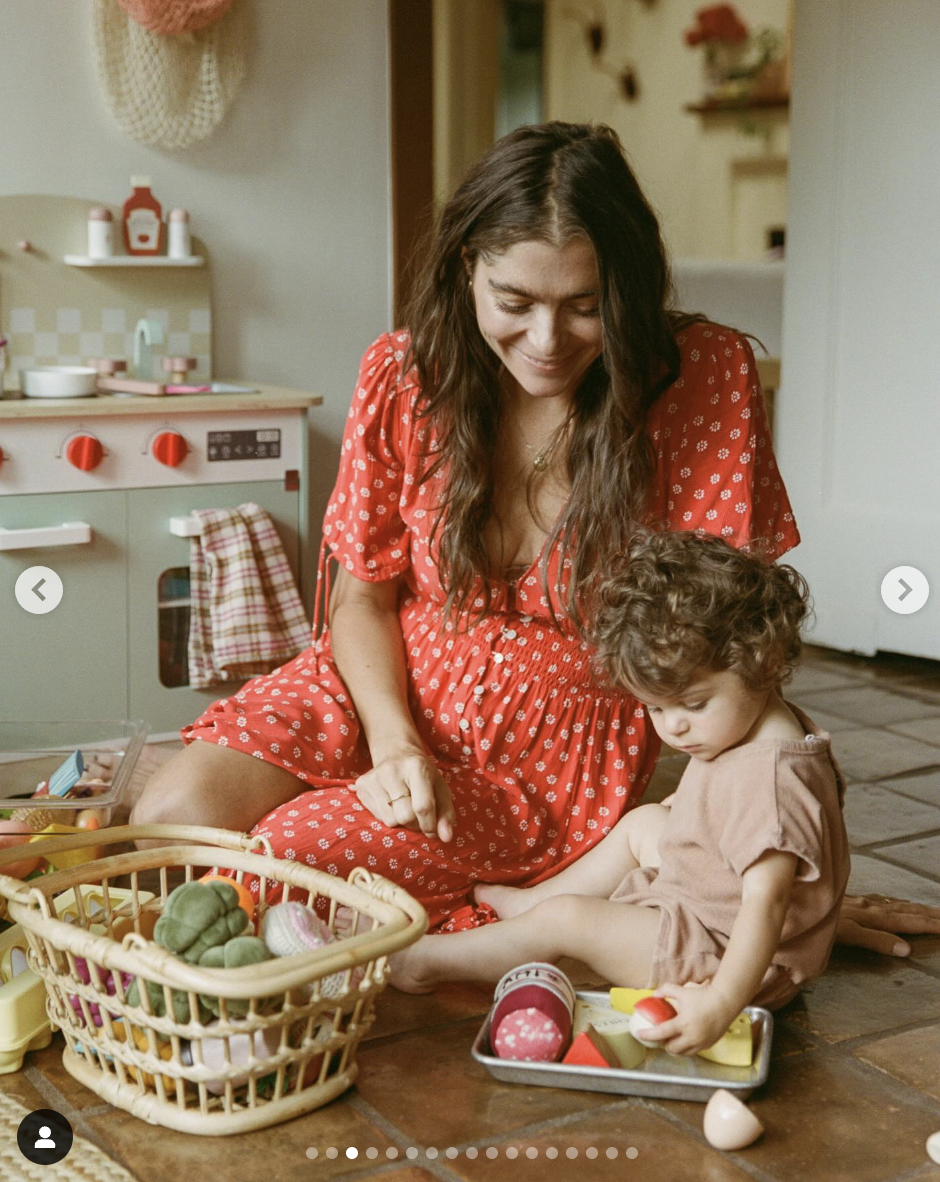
[(31, 751)]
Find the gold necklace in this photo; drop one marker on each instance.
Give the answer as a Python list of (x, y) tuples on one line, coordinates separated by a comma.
[(542, 455)]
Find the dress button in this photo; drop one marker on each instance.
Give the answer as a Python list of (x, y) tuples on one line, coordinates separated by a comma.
[(464, 724), (510, 634), (477, 690), (467, 750), (498, 658)]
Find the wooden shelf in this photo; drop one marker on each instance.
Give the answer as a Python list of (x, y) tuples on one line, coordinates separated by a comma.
[(130, 260), (737, 106)]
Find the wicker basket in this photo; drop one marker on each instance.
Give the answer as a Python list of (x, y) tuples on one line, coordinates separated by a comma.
[(307, 1012)]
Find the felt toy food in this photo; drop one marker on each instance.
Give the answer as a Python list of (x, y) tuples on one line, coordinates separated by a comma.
[(201, 923), (647, 1013), (17, 833), (290, 929), (245, 901), (729, 1124), (142, 1042), (106, 978), (262, 1045), (199, 916)]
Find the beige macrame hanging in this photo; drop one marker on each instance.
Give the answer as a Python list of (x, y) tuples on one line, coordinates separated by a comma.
[(169, 91)]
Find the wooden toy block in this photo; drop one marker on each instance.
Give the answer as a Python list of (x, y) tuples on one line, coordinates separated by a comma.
[(614, 1029), (67, 775), (736, 1047), (625, 999), (590, 1050), (733, 1049)]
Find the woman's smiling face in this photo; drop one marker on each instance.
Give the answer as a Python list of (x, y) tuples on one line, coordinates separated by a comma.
[(537, 306)]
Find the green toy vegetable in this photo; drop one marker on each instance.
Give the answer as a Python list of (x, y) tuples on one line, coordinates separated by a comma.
[(201, 923)]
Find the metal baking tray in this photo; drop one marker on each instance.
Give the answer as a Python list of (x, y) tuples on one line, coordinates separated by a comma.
[(670, 1077)]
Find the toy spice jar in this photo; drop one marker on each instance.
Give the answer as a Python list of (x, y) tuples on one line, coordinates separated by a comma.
[(143, 224)]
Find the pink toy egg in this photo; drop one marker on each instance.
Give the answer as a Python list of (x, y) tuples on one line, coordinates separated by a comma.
[(729, 1124), (290, 929), (529, 1035)]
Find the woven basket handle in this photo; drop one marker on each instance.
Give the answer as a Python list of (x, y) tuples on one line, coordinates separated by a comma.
[(15, 889)]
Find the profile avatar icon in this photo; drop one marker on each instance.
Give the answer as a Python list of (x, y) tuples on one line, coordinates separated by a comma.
[(44, 1137), (44, 1142)]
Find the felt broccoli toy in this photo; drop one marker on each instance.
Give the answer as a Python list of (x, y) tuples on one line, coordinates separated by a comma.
[(202, 922)]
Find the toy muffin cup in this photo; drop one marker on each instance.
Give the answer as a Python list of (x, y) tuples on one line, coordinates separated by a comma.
[(317, 1036)]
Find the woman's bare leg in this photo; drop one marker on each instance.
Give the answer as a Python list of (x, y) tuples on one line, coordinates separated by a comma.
[(615, 939), (205, 784), (633, 842)]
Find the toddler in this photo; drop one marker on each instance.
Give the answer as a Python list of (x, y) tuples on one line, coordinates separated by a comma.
[(734, 884)]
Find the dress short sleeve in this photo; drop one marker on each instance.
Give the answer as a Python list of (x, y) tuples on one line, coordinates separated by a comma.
[(716, 470), (780, 809), (363, 527)]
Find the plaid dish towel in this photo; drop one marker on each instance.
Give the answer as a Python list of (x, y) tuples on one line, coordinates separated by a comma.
[(246, 615)]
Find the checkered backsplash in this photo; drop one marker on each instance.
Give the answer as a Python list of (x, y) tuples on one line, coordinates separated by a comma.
[(68, 336)]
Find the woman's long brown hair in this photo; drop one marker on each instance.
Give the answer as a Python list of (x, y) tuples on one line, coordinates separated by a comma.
[(551, 182)]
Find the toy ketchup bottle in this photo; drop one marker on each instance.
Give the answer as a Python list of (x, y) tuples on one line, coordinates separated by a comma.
[(143, 219)]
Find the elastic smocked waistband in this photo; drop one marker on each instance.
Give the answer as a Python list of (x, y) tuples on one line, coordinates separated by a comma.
[(507, 648)]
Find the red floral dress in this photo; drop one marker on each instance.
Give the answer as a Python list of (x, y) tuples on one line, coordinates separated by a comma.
[(540, 760)]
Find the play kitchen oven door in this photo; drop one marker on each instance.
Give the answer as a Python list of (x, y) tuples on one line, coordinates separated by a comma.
[(116, 644)]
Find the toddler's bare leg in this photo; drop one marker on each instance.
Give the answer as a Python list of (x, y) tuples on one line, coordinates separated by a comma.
[(615, 939), (633, 842)]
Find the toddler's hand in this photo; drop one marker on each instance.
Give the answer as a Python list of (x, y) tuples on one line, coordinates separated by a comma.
[(702, 1017)]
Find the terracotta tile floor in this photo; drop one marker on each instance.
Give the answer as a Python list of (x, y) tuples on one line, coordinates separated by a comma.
[(854, 1089)]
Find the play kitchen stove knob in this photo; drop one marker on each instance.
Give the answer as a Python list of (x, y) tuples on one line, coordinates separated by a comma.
[(84, 451), (170, 448)]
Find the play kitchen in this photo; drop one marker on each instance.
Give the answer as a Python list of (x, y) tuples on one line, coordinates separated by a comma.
[(116, 435)]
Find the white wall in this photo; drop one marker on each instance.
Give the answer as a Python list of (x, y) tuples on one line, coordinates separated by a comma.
[(713, 187), (859, 422), (291, 194)]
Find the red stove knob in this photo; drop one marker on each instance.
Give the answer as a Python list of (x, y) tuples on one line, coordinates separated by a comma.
[(170, 448), (84, 451)]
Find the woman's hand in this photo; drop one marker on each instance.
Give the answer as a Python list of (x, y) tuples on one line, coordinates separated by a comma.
[(703, 1015), (873, 921), (406, 790)]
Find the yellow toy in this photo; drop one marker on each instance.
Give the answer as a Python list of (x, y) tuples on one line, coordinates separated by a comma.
[(23, 1022), (67, 858), (735, 1048)]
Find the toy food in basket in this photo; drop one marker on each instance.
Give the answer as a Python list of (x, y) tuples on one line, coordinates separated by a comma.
[(189, 1043)]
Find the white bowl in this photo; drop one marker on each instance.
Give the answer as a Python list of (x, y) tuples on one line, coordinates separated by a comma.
[(58, 381)]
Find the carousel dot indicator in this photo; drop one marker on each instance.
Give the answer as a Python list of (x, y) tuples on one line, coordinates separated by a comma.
[(352, 1152), (632, 1152)]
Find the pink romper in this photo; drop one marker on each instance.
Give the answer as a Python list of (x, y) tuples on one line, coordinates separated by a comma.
[(541, 761)]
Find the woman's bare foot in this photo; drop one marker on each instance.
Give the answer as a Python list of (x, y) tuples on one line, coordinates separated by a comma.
[(506, 901), (408, 969)]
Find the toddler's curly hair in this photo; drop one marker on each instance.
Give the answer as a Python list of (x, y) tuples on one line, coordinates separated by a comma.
[(675, 603)]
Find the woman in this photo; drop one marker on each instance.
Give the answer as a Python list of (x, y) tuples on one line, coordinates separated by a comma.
[(494, 462)]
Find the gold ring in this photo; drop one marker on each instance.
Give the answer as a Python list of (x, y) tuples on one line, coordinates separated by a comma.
[(404, 796)]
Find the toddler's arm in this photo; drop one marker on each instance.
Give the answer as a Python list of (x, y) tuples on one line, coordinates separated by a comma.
[(705, 1013)]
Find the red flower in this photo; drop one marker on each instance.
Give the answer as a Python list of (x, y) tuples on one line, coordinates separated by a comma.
[(720, 22)]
